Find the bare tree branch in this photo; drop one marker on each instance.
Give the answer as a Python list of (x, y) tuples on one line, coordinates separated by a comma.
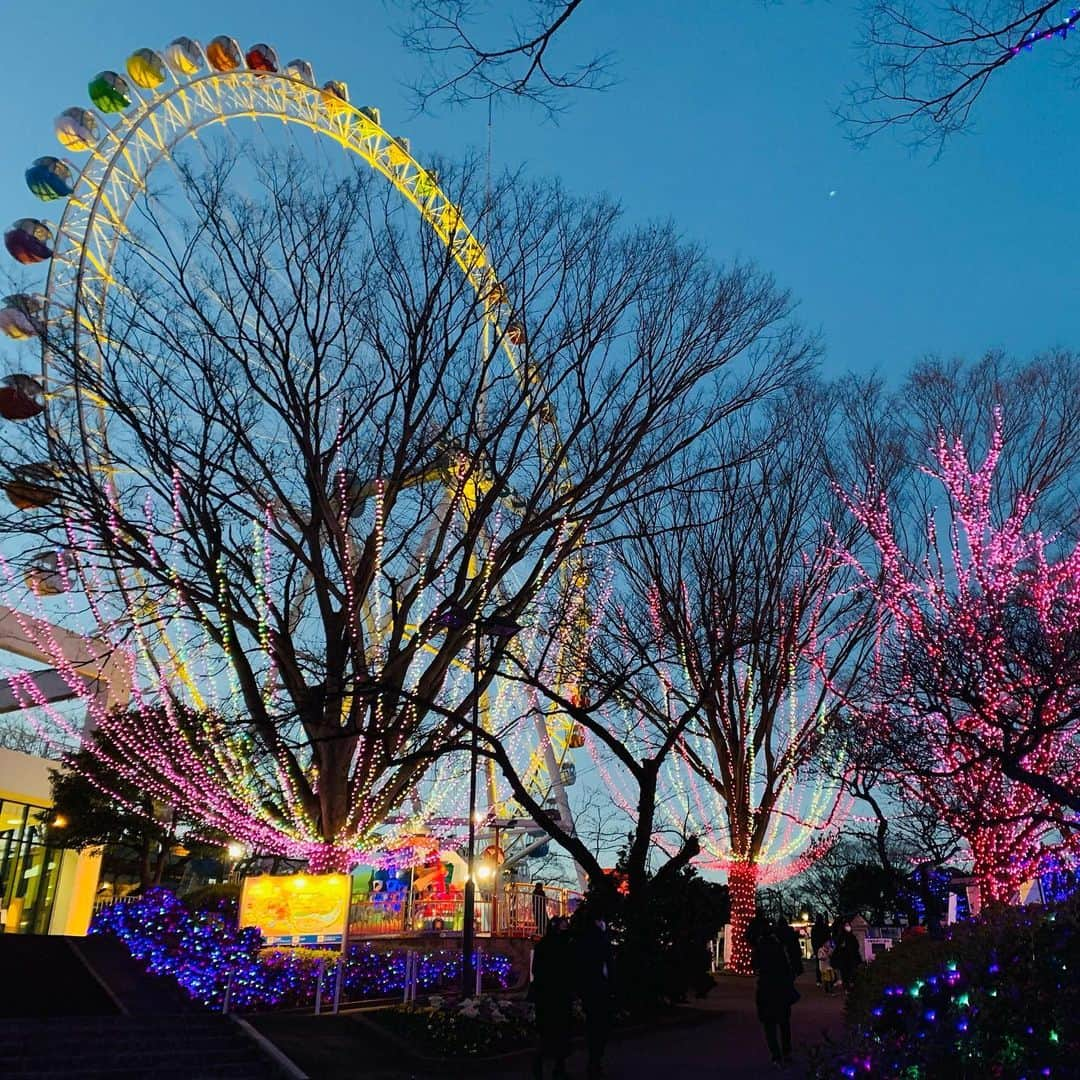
[(462, 68), (926, 69)]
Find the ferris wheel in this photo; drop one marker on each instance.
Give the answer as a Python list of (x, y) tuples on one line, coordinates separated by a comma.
[(138, 121)]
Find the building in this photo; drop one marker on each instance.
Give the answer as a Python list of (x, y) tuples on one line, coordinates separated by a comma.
[(44, 888)]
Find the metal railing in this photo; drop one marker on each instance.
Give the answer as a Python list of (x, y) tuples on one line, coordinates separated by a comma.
[(517, 912)]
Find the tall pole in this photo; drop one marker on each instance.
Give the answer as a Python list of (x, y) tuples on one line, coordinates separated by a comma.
[(468, 975)]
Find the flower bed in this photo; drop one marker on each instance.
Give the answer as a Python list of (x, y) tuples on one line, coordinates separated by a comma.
[(206, 952), (998, 998), (475, 1027)]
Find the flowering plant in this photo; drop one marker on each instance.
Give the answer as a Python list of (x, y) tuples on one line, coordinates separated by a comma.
[(473, 1027)]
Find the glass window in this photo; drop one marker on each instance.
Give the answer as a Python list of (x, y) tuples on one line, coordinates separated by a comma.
[(29, 869)]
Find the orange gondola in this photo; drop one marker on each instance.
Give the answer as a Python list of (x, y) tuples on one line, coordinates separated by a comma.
[(30, 487), (224, 54)]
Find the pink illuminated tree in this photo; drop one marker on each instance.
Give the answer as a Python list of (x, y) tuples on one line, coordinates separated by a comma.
[(976, 690)]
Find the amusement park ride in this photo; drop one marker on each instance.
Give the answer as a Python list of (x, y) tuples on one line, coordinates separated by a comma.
[(138, 120)]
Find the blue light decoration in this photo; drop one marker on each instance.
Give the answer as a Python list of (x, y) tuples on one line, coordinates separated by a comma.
[(1058, 879), (1058, 30), (202, 950), (1003, 1005)]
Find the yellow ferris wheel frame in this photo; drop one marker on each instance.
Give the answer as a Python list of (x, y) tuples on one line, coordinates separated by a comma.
[(167, 100)]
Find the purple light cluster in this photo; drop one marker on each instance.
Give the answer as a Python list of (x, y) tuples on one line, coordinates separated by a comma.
[(203, 950), (1058, 30)]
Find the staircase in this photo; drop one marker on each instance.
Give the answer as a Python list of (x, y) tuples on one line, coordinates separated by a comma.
[(129, 1048), (83, 1008)]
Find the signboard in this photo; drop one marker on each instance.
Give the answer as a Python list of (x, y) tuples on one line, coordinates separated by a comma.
[(297, 909)]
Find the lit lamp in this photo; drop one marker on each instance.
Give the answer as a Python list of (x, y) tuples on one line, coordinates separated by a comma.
[(236, 851), (497, 627)]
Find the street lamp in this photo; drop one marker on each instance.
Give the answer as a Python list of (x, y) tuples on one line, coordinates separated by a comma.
[(497, 628), (236, 851)]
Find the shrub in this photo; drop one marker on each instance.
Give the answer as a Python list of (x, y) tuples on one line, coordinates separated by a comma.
[(998, 998), (205, 951)]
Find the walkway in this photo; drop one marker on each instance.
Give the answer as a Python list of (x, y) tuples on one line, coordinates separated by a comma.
[(728, 1045), (730, 1048)]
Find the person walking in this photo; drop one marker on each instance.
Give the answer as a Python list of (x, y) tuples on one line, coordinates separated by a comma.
[(596, 971), (846, 957), (552, 993), (819, 934), (776, 992)]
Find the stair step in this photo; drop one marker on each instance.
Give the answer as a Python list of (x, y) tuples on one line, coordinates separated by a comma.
[(192, 1047), (253, 1071)]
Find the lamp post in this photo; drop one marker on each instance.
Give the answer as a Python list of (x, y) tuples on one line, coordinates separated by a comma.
[(497, 628)]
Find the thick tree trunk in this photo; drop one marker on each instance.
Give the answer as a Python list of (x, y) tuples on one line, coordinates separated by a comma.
[(993, 865), (742, 891)]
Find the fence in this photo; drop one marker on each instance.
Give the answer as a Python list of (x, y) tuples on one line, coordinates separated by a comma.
[(517, 912), (103, 902)]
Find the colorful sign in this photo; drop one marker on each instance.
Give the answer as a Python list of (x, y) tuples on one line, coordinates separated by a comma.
[(299, 905)]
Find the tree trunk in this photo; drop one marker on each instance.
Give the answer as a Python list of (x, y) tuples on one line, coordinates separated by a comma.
[(992, 864), (742, 891)]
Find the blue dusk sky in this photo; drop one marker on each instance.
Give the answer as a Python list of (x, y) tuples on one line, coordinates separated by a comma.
[(722, 120)]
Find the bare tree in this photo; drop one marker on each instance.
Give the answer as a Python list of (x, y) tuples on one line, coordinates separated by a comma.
[(730, 612), (466, 59), (927, 67), (755, 608), (308, 427)]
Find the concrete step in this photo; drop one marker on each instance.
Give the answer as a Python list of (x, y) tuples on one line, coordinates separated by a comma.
[(45, 977), (137, 992), (189, 1046), (179, 1072)]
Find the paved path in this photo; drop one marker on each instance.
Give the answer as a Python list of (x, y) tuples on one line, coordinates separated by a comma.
[(730, 1048), (727, 1045)]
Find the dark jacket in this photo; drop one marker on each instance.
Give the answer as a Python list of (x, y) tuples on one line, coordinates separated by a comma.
[(775, 987), (846, 957), (552, 991), (789, 938), (596, 962)]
